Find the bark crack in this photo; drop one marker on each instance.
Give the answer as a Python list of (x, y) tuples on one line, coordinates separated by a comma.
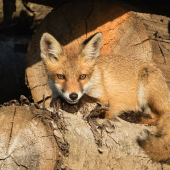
[(162, 53), (44, 99), (38, 86), (11, 128), (142, 41), (155, 39), (166, 48), (68, 25), (19, 164), (5, 158)]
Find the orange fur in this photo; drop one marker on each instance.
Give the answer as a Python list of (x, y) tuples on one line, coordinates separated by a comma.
[(128, 83)]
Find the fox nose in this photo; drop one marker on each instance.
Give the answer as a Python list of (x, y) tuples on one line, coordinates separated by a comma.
[(73, 96)]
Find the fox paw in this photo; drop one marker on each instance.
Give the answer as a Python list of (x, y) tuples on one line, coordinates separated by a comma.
[(141, 140), (103, 106)]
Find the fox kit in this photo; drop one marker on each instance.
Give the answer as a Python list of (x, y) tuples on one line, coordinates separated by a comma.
[(127, 83)]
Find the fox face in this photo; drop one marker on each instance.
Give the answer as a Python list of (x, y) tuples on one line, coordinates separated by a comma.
[(70, 74)]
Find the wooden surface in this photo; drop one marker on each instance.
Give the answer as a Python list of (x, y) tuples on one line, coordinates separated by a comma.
[(35, 139), (25, 143), (158, 30)]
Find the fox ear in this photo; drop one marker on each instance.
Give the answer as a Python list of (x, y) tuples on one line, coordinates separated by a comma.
[(91, 49), (50, 48)]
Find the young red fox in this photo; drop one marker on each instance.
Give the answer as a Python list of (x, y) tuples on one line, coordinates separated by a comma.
[(128, 83)]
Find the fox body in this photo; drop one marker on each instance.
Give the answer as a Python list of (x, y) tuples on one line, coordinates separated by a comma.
[(127, 83)]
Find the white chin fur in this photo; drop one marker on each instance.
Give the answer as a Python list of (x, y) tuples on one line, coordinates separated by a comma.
[(71, 101)]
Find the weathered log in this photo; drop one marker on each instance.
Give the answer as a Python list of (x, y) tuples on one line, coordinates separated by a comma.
[(124, 32), (158, 30), (36, 139), (25, 142)]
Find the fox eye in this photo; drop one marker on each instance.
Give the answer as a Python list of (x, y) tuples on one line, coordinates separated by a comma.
[(60, 76), (82, 77)]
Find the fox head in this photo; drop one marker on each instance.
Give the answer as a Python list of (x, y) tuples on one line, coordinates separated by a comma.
[(69, 74)]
